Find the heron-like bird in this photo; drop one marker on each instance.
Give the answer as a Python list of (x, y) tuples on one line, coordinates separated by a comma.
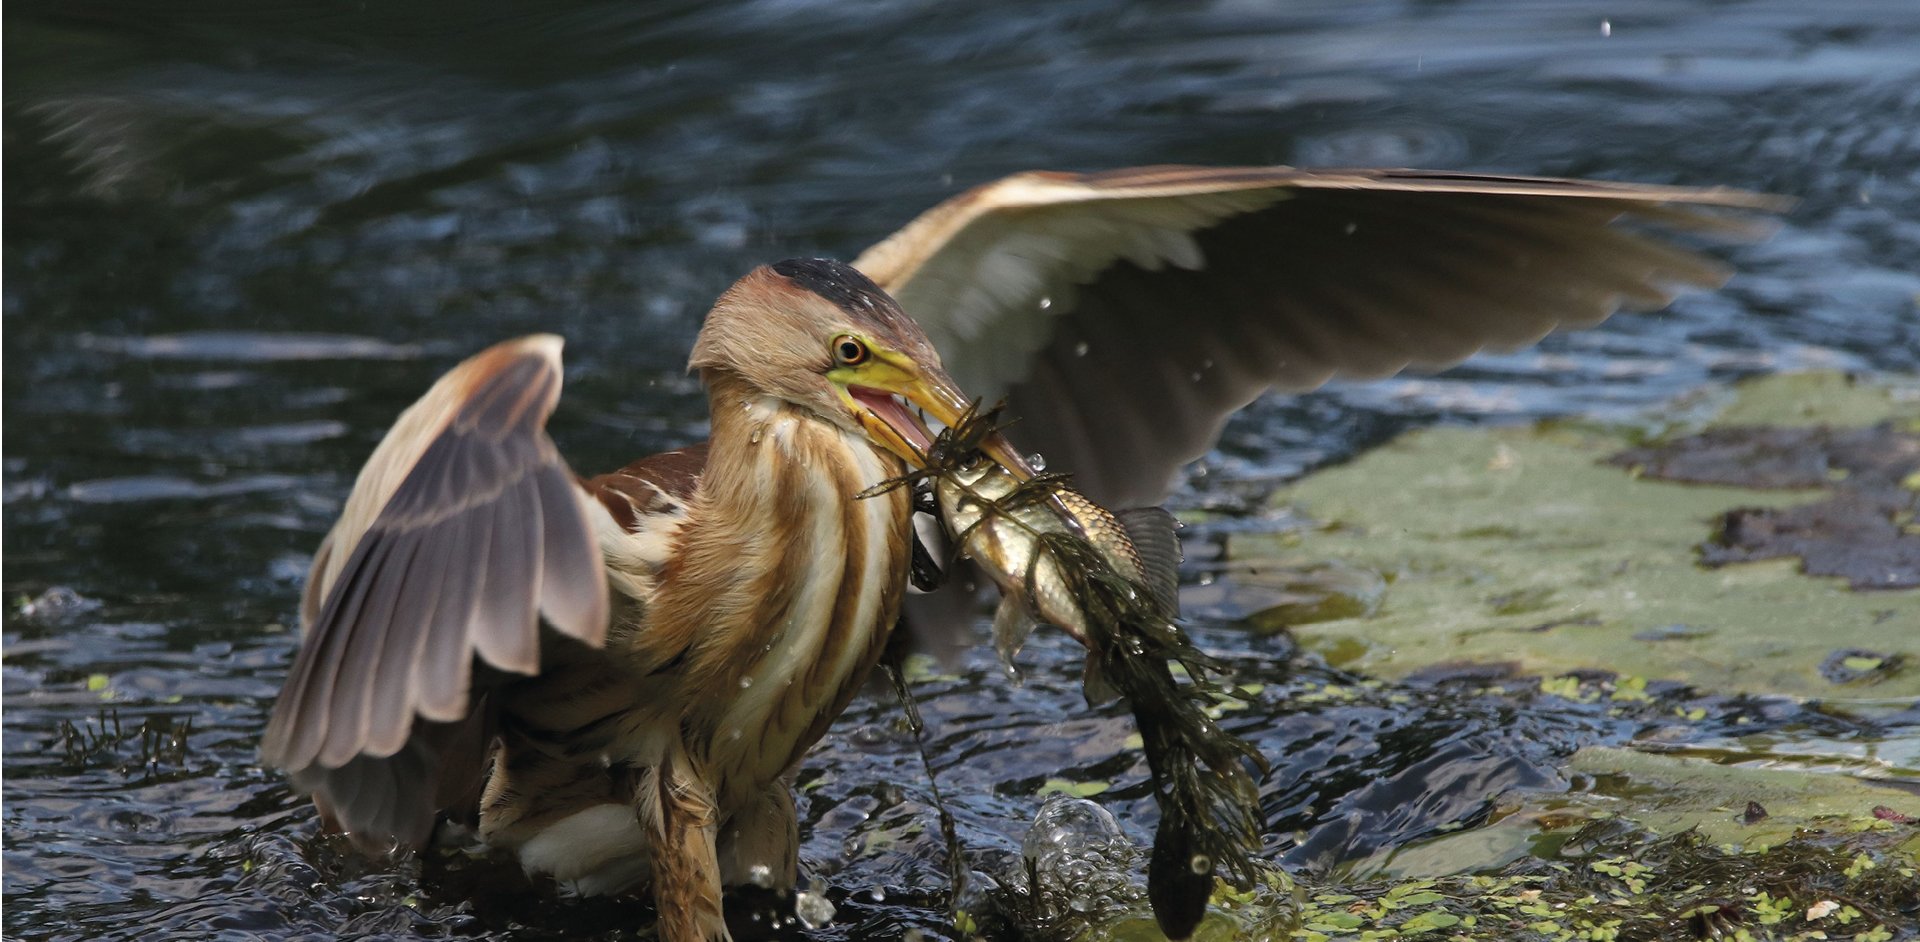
[(709, 611)]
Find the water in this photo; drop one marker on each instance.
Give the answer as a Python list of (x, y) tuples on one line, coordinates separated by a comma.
[(240, 237)]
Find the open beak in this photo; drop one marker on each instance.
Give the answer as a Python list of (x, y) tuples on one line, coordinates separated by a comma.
[(894, 425)]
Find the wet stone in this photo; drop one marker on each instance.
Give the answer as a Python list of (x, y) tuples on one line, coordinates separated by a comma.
[(1855, 536), (1862, 533), (1775, 456)]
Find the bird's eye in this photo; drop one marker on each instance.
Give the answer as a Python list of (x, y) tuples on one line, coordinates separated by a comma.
[(849, 351)]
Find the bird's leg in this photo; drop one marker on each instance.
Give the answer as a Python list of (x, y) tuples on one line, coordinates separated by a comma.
[(676, 804), (760, 843)]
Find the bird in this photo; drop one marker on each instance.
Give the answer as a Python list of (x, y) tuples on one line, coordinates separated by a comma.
[(615, 677)]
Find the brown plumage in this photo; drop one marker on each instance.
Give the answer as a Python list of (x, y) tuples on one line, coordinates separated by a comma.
[(712, 610), (648, 737), (1125, 315)]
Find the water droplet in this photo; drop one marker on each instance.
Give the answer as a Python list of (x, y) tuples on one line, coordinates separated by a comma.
[(1606, 27), (1080, 349), (746, 682), (1046, 303), (1038, 460), (1201, 864), (813, 909), (879, 895), (760, 875), (757, 432)]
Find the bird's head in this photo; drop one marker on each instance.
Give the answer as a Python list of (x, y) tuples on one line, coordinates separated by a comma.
[(819, 334)]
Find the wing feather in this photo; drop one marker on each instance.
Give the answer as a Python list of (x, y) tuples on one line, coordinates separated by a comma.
[(577, 608), (507, 606), (1126, 314), (445, 673), (463, 529), (382, 582), (390, 713)]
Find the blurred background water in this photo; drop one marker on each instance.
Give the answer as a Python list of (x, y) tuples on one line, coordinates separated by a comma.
[(240, 236)]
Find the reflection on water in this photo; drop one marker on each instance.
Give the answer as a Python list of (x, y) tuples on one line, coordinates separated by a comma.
[(240, 237)]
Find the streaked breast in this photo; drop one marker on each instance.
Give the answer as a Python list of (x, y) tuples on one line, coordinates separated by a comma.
[(818, 598)]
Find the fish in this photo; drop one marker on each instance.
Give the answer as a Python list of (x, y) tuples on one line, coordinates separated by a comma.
[(1004, 526), (1111, 580)]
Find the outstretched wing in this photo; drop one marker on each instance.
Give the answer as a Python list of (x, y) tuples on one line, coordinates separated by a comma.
[(1125, 315), (464, 530)]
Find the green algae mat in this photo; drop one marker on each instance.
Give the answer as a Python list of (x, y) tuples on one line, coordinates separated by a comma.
[(1530, 550), (1754, 542)]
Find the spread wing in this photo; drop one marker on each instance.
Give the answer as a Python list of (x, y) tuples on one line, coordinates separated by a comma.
[(1125, 315), (463, 532)]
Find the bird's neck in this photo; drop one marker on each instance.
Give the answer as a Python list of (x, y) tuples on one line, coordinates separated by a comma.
[(763, 446), (798, 578)]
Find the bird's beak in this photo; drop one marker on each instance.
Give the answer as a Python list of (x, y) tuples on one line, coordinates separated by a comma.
[(895, 426)]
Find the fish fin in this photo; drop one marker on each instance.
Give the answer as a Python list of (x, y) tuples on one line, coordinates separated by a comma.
[(1094, 684), (1012, 623), (1151, 529)]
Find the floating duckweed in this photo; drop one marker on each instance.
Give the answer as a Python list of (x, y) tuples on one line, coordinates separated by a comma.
[(1861, 864), (1626, 885), (1061, 786), (1567, 687), (1630, 688)]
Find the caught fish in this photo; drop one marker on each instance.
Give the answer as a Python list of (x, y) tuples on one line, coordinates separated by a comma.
[(1110, 580), (1003, 525)]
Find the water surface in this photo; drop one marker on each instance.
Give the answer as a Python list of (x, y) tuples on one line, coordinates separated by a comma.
[(241, 236)]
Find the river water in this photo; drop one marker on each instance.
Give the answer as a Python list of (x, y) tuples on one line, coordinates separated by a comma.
[(240, 236)]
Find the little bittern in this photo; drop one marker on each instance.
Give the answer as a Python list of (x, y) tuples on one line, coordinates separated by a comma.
[(647, 737)]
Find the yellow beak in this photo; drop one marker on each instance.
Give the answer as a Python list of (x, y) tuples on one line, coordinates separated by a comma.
[(894, 426)]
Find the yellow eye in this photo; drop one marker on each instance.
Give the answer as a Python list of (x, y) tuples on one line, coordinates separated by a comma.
[(849, 350)]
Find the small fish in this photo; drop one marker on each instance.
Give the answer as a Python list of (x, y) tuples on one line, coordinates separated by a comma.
[(1003, 525), (1111, 580)]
